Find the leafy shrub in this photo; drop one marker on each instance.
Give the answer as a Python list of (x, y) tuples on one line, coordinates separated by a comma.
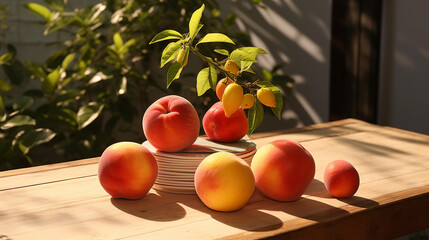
[(96, 87)]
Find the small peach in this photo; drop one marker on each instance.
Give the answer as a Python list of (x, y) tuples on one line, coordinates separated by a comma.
[(341, 178)]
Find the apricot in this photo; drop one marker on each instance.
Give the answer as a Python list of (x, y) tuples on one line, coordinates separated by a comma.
[(248, 101), (220, 87), (341, 178), (127, 170), (232, 67), (224, 182), (283, 170), (232, 98), (266, 97)]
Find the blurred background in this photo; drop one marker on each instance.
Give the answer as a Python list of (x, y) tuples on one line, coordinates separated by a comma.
[(68, 92)]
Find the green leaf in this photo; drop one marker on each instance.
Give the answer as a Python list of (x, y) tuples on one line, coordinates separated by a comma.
[(5, 86), (215, 37), (57, 5), (206, 79), (117, 40), (15, 71), (67, 60), (279, 98), (67, 96), (268, 76), (170, 52), (39, 9), (222, 52), (7, 57), (253, 50), (173, 72), (18, 120), (123, 86), (2, 110), (51, 81), (100, 76), (22, 102), (255, 116), (245, 66), (87, 114), (195, 22), (129, 43), (238, 55), (33, 137), (166, 35)]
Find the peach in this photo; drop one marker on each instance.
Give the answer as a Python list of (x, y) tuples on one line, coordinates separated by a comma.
[(127, 170), (171, 124), (341, 178), (283, 170), (220, 128), (224, 182)]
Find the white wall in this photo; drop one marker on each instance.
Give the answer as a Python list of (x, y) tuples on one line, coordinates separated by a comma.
[(404, 68), (296, 34)]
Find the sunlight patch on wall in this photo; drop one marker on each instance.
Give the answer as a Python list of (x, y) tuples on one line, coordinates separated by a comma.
[(290, 31)]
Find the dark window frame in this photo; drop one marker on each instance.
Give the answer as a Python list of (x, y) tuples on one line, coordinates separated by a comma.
[(355, 54)]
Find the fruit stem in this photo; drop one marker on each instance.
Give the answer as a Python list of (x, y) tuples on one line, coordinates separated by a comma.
[(251, 86)]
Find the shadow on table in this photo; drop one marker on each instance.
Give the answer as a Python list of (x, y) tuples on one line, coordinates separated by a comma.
[(317, 189), (149, 207)]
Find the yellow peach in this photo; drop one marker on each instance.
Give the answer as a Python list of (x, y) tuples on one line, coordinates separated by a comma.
[(224, 182)]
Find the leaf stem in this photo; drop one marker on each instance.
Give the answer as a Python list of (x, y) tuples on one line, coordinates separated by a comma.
[(251, 86)]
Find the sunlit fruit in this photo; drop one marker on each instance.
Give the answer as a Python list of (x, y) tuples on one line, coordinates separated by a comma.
[(127, 170), (266, 97), (220, 128), (232, 98), (232, 67), (224, 182), (248, 101), (220, 87), (171, 124), (181, 57), (283, 170), (341, 178)]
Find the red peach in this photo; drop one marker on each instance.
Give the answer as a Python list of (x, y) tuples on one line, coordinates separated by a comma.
[(220, 128), (283, 170), (341, 178), (127, 170), (171, 124)]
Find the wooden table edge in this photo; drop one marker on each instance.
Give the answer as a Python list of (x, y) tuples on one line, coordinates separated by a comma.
[(358, 223)]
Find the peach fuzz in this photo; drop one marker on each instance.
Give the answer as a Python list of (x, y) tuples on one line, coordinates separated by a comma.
[(127, 170), (341, 178), (171, 124), (283, 170), (224, 182), (220, 128)]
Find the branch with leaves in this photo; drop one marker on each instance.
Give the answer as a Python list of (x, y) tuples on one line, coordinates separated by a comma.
[(233, 64)]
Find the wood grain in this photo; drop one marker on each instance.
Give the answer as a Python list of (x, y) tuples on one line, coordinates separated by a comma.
[(66, 200)]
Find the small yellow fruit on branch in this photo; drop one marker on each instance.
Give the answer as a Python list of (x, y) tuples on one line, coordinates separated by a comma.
[(232, 98), (232, 67), (181, 57), (248, 101), (266, 97)]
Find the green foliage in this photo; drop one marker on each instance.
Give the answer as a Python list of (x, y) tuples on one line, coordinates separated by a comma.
[(98, 83), (244, 57)]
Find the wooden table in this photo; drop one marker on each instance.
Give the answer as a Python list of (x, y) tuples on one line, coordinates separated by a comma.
[(66, 201)]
